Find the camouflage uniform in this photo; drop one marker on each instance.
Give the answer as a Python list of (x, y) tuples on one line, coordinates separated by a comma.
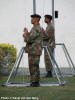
[(34, 49), (48, 39)]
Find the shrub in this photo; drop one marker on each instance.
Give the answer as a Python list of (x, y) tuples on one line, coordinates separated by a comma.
[(7, 56)]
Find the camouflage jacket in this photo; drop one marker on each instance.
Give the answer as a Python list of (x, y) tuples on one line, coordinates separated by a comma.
[(48, 37), (34, 41)]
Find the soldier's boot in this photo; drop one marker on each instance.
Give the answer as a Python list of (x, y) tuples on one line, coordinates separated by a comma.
[(35, 84), (49, 74)]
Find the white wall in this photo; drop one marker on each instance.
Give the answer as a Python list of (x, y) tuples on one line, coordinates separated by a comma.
[(65, 25), (15, 15)]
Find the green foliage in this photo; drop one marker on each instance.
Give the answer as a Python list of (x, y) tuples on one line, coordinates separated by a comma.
[(7, 56)]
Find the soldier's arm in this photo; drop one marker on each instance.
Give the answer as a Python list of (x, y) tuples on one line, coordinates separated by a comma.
[(48, 34), (32, 36), (53, 40)]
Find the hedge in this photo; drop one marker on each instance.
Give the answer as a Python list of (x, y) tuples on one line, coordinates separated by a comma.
[(8, 55)]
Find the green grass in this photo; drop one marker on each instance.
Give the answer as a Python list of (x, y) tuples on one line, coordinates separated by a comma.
[(66, 92)]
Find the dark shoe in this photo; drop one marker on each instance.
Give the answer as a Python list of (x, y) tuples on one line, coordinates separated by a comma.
[(34, 84), (49, 74)]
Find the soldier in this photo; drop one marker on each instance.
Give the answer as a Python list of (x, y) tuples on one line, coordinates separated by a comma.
[(34, 49), (48, 39)]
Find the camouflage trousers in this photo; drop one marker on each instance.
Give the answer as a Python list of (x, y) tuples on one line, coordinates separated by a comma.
[(48, 63), (34, 67)]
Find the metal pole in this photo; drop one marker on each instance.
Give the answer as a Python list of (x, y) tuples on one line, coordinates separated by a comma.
[(53, 12), (52, 4), (34, 6)]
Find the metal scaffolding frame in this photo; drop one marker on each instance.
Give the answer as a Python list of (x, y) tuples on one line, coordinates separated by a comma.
[(55, 66), (58, 73), (69, 60)]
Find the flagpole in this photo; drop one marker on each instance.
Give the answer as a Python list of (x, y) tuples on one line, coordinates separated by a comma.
[(34, 6), (53, 16), (53, 12)]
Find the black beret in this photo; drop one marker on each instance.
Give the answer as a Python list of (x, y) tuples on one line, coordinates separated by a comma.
[(35, 16), (48, 16)]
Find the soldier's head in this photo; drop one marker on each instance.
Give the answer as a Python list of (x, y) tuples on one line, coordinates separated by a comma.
[(48, 19), (35, 18)]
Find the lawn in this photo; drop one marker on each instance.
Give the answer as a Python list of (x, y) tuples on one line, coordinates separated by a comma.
[(66, 92)]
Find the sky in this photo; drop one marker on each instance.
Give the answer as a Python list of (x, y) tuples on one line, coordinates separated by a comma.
[(15, 15)]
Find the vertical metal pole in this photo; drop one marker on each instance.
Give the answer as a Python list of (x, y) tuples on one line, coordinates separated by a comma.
[(52, 4), (34, 6), (53, 12)]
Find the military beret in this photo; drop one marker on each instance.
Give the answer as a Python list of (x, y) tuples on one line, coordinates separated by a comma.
[(35, 16), (48, 16)]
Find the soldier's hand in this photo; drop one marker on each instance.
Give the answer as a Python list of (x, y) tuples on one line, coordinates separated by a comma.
[(42, 30), (26, 30), (54, 46), (24, 35)]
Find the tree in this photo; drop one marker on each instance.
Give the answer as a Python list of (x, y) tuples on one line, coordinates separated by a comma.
[(7, 56)]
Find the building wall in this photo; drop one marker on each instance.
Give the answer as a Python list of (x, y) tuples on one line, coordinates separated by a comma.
[(15, 15)]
